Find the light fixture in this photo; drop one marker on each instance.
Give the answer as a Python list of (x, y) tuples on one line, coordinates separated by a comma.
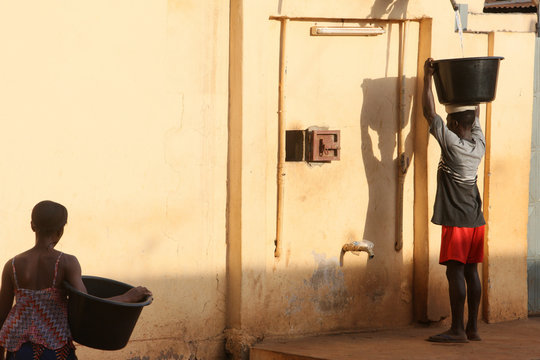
[(346, 31)]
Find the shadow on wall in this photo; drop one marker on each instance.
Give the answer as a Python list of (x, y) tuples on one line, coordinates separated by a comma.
[(186, 320), (378, 126), (395, 9), (184, 323)]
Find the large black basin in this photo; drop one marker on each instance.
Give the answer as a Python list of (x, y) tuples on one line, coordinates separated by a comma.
[(99, 323), (466, 81)]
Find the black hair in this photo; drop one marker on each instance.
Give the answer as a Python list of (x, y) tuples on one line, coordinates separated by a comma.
[(464, 118), (48, 217)]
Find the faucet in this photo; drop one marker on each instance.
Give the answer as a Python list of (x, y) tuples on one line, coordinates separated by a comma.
[(454, 5), (357, 246)]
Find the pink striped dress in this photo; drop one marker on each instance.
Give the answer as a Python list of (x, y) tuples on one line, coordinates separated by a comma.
[(39, 317)]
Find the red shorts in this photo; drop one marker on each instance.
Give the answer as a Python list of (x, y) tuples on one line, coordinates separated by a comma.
[(465, 245)]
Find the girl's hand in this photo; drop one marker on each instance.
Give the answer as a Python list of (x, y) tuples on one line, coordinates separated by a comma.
[(133, 295), (136, 294)]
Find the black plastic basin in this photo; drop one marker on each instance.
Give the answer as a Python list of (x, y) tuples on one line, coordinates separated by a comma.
[(466, 81), (99, 323)]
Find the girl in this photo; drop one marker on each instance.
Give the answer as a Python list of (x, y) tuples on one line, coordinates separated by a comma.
[(36, 327)]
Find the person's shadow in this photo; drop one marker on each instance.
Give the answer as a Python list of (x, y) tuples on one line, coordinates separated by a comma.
[(395, 9), (379, 133)]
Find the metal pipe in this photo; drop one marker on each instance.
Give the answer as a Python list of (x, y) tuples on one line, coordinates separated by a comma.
[(341, 20), (281, 140), (357, 246), (403, 162)]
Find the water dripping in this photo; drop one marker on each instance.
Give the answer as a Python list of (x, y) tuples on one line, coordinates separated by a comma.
[(460, 30)]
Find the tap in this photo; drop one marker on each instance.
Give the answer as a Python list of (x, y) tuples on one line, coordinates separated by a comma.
[(454, 5), (356, 246)]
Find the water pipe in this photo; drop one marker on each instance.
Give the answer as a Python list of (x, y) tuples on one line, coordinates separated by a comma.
[(356, 246), (403, 161), (281, 140)]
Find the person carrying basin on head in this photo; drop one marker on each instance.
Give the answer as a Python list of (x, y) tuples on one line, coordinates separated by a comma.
[(458, 208), (36, 327)]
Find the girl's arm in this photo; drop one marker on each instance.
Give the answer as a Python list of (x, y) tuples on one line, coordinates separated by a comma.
[(73, 273), (137, 294), (73, 276), (7, 295)]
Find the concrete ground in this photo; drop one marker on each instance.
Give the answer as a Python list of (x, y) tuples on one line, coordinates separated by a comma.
[(519, 339)]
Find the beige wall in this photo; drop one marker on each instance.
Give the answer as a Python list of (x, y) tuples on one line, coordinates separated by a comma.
[(307, 290), (119, 111), (156, 124), (507, 195), (330, 82)]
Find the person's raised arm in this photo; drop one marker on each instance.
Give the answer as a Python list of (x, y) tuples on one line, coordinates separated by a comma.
[(428, 102), (476, 129), (7, 295)]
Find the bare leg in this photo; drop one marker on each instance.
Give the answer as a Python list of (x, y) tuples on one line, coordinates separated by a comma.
[(458, 293), (474, 293)]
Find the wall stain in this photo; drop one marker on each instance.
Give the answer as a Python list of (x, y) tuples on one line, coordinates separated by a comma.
[(294, 305), (328, 283)]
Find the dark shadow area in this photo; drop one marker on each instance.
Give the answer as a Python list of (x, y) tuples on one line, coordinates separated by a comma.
[(520, 342), (294, 145), (187, 319), (379, 134)]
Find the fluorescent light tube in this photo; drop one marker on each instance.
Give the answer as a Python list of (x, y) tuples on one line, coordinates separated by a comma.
[(346, 31)]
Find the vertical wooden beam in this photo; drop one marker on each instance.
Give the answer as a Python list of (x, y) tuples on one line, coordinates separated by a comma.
[(487, 182), (421, 206), (234, 168)]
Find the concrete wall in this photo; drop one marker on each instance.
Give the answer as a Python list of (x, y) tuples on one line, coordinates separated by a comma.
[(156, 124), (337, 83), (119, 111), (350, 84), (506, 265)]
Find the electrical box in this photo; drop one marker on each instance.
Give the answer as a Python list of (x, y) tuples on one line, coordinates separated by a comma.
[(294, 145), (323, 145)]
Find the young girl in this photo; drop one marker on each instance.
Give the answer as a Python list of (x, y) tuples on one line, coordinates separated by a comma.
[(36, 327)]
